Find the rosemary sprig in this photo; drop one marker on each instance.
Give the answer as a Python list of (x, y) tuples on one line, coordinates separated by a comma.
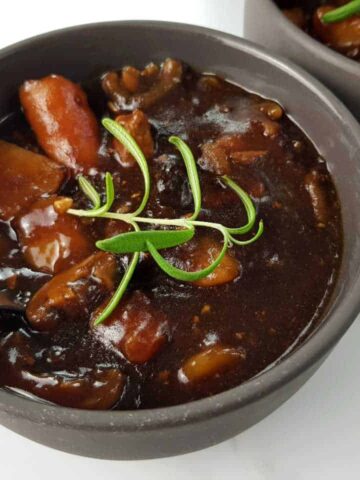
[(182, 229), (342, 13)]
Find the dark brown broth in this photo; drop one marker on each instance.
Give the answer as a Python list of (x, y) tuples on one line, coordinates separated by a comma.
[(287, 276)]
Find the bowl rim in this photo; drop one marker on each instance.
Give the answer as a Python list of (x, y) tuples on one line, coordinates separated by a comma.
[(315, 47), (258, 387)]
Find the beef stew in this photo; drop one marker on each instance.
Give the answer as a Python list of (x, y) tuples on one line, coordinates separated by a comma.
[(168, 341)]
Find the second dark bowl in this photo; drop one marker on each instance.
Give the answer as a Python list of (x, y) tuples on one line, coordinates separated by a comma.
[(265, 24), (81, 52)]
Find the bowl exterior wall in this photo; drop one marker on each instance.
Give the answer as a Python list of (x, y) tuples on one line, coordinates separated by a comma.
[(175, 439)]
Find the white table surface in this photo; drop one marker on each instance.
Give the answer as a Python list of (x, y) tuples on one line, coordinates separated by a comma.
[(315, 435)]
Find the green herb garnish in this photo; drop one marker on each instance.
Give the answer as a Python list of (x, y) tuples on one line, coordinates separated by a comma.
[(178, 231), (342, 13)]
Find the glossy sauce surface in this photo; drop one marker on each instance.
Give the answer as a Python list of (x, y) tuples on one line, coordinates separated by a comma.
[(169, 342)]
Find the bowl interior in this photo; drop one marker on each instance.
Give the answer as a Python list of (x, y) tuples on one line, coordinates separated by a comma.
[(82, 52)]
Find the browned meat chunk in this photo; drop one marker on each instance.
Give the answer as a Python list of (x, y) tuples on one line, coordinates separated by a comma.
[(58, 112), (135, 328), (131, 89), (209, 362), (342, 36), (73, 293), (51, 240), (137, 124), (25, 176), (218, 156)]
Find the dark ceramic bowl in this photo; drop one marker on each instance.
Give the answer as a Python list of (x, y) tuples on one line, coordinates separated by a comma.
[(266, 24), (79, 53)]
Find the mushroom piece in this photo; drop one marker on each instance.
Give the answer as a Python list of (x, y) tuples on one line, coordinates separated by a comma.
[(25, 176), (314, 185), (209, 362), (206, 252), (127, 89), (58, 112), (91, 389), (199, 253), (96, 388), (73, 293)]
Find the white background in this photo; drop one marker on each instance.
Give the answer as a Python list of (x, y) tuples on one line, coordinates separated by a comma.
[(315, 435)]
